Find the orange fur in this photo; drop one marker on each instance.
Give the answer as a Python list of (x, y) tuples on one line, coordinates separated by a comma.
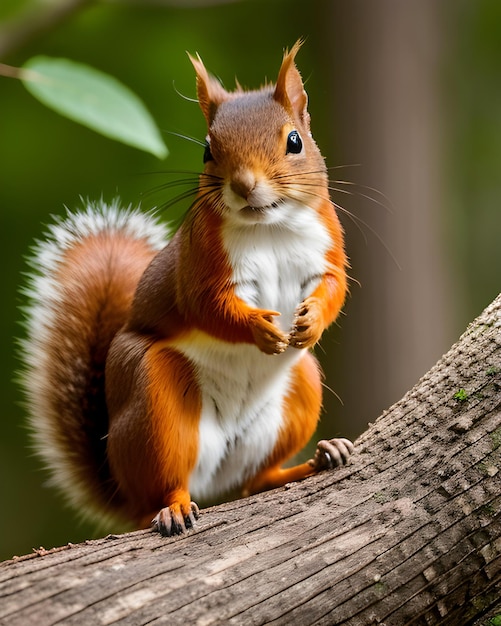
[(154, 413)]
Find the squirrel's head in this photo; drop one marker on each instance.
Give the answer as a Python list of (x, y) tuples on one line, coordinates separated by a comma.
[(259, 153)]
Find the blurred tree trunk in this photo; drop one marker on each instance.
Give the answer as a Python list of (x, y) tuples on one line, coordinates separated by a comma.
[(386, 116)]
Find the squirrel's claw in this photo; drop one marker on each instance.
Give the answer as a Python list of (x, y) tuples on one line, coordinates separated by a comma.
[(332, 453), (171, 520), (268, 337), (307, 327)]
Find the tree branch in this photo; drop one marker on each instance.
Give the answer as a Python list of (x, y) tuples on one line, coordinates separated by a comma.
[(408, 533)]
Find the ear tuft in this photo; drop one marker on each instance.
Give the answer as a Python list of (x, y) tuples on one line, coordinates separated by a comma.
[(289, 89), (210, 92)]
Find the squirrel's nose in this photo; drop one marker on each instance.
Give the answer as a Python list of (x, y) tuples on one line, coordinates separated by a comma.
[(242, 183)]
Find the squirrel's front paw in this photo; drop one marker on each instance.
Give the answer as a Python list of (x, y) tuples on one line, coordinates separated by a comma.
[(331, 453), (172, 520), (267, 336), (307, 327)]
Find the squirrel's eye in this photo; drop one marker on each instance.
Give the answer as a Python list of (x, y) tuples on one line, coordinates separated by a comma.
[(207, 153), (294, 143)]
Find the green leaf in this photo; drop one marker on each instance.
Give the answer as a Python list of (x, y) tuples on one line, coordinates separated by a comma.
[(93, 99)]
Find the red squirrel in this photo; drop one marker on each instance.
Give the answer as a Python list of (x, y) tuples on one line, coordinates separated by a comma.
[(159, 369)]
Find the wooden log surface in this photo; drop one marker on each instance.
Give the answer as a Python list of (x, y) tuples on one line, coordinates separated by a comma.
[(408, 533)]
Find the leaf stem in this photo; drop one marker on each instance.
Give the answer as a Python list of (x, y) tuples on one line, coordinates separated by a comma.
[(10, 71), (21, 73)]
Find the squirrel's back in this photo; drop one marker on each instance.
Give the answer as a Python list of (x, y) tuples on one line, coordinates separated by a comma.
[(84, 276)]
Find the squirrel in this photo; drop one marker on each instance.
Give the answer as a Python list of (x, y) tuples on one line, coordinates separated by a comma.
[(159, 368)]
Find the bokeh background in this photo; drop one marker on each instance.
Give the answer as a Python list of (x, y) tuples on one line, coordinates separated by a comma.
[(405, 99)]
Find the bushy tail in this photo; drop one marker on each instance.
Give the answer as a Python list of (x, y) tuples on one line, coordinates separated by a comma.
[(84, 274)]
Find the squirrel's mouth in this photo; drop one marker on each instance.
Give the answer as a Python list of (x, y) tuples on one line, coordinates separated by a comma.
[(260, 210)]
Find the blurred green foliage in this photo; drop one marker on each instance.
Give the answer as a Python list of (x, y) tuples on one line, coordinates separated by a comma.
[(47, 161), (474, 158)]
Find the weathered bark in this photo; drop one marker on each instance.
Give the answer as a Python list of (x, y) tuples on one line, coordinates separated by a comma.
[(408, 533)]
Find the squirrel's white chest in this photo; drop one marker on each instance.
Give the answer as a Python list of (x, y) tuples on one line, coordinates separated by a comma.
[(276, 266), (243, 389)]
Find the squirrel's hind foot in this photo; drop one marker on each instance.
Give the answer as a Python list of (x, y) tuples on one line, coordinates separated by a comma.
[(171, 520), (331, 453)]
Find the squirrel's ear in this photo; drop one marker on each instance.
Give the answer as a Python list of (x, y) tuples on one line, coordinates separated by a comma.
[(210, 92), (289, 89)]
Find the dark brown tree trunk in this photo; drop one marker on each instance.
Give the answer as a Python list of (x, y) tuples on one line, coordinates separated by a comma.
[(388, 121), (408, 533)]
